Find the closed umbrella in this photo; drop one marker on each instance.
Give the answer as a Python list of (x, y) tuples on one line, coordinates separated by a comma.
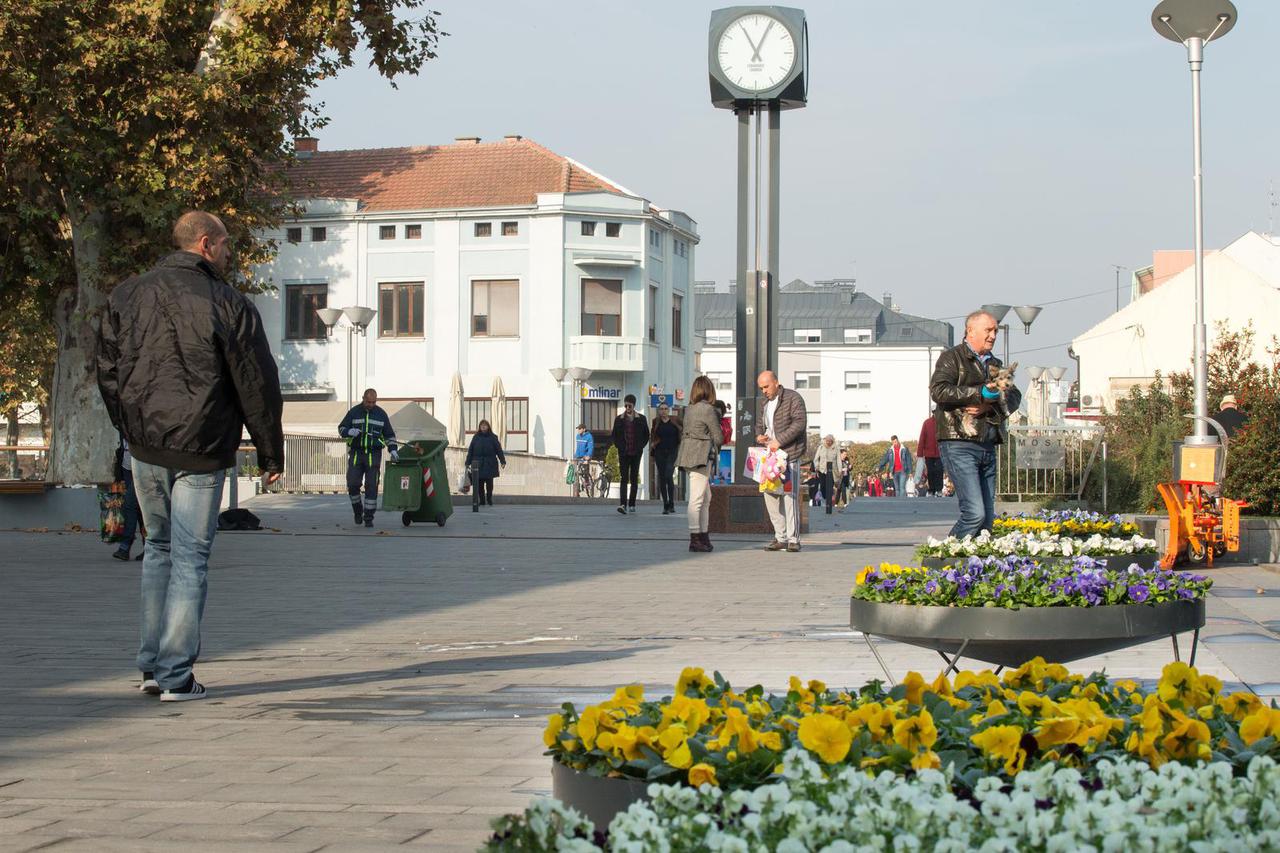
[(457, 430), (498, 411)]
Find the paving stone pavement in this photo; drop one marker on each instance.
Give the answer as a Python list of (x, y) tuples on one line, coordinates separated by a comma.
[(371, 689)]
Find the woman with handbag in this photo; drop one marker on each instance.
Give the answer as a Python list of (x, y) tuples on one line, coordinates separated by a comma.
[(698, 455), (486, 452)]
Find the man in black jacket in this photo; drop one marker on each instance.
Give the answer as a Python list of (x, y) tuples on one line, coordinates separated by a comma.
[(183, 365), (367, 429), (630, 435), (970, 418)]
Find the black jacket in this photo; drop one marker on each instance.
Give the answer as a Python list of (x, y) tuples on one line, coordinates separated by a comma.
[(183, 363), (486, 452), (956, 383), (641, 427)]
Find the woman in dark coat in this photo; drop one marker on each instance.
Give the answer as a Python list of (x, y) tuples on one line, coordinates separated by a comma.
[(486, 452)]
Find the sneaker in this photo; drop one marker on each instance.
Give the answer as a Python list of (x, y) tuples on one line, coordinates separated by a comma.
[(775, 545), (793, 547), (149, 685), (193, 690), (622, 510), (121, 554)]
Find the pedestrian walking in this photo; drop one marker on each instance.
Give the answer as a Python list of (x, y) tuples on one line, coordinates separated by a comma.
[(698, 456), (124, 474), (896, 462), (664, 445), (783, 416), (367, 429), (184, 366), (630, 435), (826, 461), (845, 489), (971, 417), (927, 449), (485, 452)]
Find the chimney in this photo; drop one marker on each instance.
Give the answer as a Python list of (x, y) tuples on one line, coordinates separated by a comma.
[(467, 140), (305, 146), (513, 137), (888, 301)]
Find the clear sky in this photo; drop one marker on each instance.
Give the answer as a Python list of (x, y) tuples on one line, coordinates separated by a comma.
[(951, 154)]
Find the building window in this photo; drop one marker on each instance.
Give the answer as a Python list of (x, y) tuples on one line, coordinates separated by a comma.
[(319, 234), (475, 410), (857, 336), (386, 232), (301, 302), (510, 229), (808, 336), (680, 247), (598, 415), (588, 228), (810, 381), (484, 229), (613, 229), (859, 379), (400, 310), (719, 336), (722, 380), (815, 420), (677, 321), (655, 239), (518, 424), (653, 314), (495, 309), (857, 421), (413, 232), (907, 332), (602, 306), (293, 235)]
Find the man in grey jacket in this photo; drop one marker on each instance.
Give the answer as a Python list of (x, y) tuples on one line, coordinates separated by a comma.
[(785, 422)]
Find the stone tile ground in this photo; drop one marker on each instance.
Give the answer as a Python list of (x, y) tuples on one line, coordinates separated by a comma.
[(372, 689)]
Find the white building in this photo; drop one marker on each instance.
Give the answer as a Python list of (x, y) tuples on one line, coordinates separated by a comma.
[(490, 260), (862, 366), (1154, 332)]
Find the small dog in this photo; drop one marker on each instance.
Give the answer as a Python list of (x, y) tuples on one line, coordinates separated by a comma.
[(999, 379)]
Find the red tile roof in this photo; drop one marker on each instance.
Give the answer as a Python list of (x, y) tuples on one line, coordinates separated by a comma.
[(466, 174)]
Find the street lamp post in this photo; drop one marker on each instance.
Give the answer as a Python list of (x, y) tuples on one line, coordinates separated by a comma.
[(1194, 23), (1037, 376), (577, 375), (1026, 313), (359, 317)]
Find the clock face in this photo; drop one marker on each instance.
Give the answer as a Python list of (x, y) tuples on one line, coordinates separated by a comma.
[(756, 52)]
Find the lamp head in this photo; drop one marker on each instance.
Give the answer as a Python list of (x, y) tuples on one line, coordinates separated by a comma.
[(1035, 372), (329, 316), (579, 374), (359, 316), (1182, 20), (997, 310), (1056, 373), (557, 373), (1027, 314)]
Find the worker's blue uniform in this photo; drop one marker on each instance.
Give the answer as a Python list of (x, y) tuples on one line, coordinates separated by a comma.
[(364, 456)]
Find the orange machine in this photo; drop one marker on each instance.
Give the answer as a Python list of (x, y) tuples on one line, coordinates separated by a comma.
[(1202, 523)]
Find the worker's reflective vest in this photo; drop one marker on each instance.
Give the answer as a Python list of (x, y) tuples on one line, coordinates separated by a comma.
[(375, 431)]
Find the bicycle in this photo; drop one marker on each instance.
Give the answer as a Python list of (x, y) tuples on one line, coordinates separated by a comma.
[(591, 485)]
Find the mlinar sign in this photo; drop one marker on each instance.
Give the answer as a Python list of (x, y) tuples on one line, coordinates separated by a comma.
[(595, 393)]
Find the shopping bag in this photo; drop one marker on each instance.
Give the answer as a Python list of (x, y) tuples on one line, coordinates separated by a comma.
[(755, 458), (568, 474), (111, 512)]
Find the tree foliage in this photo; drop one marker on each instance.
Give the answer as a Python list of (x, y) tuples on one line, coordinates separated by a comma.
[(117, 115)]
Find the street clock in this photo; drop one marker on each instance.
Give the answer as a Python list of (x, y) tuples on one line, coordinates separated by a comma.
[(758, 54)]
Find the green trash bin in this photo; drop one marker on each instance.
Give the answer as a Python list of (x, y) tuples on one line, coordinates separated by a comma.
[(417, 486)]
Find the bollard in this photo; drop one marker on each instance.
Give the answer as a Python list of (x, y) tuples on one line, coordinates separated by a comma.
[(474, 473)]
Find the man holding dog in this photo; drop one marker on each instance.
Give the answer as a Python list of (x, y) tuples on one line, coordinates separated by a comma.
[(962, 386)]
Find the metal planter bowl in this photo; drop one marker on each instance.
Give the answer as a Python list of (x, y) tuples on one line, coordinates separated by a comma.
[(1144, 561), (597, 798), (1012, 637)]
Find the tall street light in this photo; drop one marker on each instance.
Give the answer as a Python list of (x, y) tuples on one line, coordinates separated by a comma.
[(1026, 313), (1194, 23), (578, 375), (359, 317)]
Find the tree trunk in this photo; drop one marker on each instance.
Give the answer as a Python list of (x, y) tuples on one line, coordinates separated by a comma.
[(13, 435), (82, 440)]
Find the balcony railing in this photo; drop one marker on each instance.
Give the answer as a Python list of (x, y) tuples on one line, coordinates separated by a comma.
[(607, 353)]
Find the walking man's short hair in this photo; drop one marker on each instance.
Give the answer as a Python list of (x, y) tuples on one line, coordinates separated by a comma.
[(973, 315), (193, 225)]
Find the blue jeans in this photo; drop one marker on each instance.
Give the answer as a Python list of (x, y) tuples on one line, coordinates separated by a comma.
[(972, 467), (180, 510), (899, 484)]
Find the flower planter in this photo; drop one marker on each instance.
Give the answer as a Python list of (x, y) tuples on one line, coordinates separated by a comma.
[(1012, 637), (1144, 561), (598, 798)]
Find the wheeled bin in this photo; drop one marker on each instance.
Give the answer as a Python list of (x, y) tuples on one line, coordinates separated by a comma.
[(417, 486)]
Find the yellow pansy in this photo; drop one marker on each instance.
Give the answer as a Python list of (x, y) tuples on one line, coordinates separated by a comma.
[(995, 708), (916, 732), (1182, 682), (674, 742), (914, 682), (702, 774), (555, 725), (626, 699), (1143, 745), (1125, 686), (1189, 739), (589, 725), (691, 713), (927, 760), (1057, 731), (941, 685), (1004, 743), (771, 740), (827, 736), (624, 743), (737, 725), (985, 679), (861, 577), (1260, 724), (873, 717), (1239, 705), (692, 676)]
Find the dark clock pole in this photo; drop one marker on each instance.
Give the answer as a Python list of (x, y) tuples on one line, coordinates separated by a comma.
[(758, 66)]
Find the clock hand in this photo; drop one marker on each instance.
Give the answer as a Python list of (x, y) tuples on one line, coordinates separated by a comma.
[(755, 51), (755, 56)]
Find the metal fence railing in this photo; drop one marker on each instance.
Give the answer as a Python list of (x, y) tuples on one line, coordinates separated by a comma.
[(23, 461), (313, 464), (1046, 461)]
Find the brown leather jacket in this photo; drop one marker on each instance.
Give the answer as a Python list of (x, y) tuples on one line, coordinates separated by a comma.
[(790, 424), (957, 382)]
